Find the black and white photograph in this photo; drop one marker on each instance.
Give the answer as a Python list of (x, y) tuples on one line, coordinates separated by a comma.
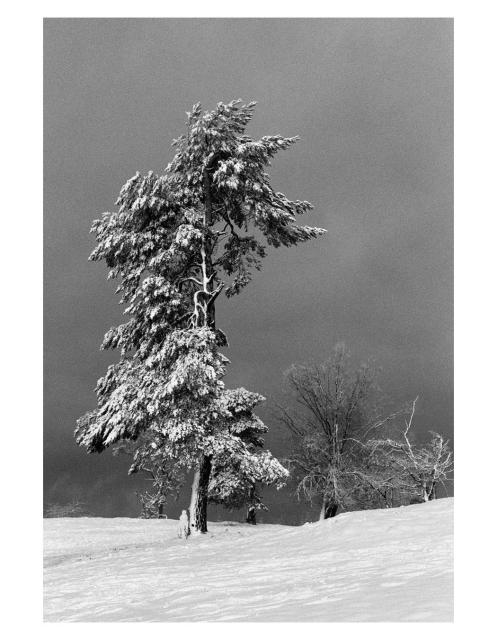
[(248, 327)]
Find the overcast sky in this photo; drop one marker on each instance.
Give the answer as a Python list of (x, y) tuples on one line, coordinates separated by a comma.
[(371, 100)]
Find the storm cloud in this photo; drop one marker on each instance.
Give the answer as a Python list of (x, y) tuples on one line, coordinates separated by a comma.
[(372, 102)]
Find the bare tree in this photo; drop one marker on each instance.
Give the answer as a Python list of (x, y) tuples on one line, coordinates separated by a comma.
[(73, 509), (336, 411), (164, 474), (419, 468)]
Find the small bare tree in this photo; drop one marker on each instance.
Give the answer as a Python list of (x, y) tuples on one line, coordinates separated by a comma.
[(74, 509), (418, 469), (336, 411), (163, 473)]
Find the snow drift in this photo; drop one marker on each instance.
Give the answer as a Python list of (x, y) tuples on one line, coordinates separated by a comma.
[(382, 565)]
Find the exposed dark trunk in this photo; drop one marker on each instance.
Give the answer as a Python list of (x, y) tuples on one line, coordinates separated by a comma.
[(161, 510), (251, 517), (198, 504), (251, 511), (331, 511), (328, 510)]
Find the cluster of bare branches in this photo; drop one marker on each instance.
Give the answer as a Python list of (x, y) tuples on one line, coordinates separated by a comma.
[(346, 450), (73, 509), (418, 469), (164, 475)]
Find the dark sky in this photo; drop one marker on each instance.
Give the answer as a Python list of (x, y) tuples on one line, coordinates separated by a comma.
[(371, 100)]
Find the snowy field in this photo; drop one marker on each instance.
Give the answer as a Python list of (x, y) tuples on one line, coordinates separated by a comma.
[(384, 565)]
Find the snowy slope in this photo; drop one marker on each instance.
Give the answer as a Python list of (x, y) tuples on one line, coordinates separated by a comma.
[(384, 565)]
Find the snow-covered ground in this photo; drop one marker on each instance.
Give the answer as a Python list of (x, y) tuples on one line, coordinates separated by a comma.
[(384, 565)]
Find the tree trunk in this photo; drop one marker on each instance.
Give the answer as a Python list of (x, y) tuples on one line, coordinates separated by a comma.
[(161, 510), (198, 503), (328, 510), (205, 315), (251, 518), (331, 511), (425, 494), (251, 511), (432, 495), (322, 512)]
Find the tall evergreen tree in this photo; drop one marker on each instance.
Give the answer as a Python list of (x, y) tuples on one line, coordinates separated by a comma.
[(176, 241), (236, 476)]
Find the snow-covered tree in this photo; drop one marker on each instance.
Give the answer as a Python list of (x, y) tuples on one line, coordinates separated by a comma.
[(175, 242), (236, 477)]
